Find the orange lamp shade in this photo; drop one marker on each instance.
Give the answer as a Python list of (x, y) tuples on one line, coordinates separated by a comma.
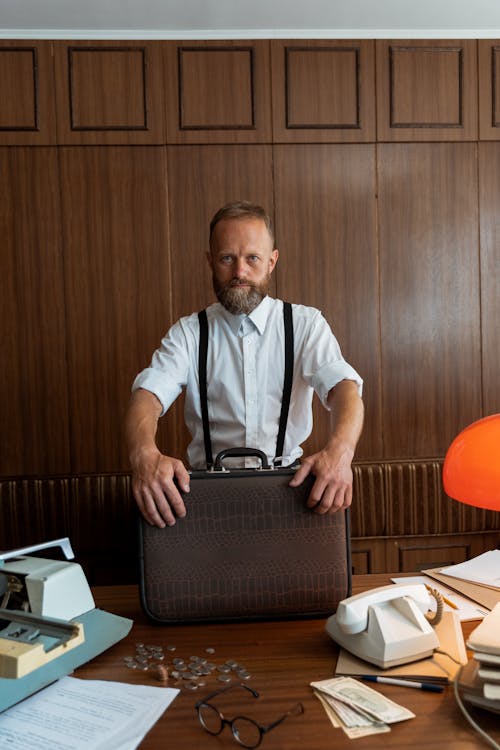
[(471, 471)]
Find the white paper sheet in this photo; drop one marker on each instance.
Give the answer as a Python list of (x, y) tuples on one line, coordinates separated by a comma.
[(483, 569), (74, 714)]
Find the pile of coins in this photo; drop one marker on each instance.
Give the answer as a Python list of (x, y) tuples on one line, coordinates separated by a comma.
[(189, 675)]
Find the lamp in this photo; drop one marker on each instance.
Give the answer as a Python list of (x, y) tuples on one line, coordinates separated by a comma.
[(471, 471)]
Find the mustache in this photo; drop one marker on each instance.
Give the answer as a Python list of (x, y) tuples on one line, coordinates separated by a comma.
[(239, 282)]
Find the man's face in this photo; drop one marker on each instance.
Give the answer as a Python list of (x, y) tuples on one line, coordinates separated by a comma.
[(242, 259)]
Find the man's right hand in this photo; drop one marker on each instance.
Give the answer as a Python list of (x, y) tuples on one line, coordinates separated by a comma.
[(155, 482)]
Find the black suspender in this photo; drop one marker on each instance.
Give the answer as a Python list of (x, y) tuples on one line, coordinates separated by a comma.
[(202, 374), (287, 382)]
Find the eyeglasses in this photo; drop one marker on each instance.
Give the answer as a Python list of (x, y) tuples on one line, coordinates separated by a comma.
[(245, 731)]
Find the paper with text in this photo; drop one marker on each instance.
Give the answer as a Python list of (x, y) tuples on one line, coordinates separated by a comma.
[(74, 714)]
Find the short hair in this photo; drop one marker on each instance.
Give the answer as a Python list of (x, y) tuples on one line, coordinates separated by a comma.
[(241, 210)]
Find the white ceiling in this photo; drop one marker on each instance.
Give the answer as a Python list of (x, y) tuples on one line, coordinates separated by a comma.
[(233, 19)]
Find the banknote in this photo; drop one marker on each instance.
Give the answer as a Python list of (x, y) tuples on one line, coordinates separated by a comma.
[(364, 699), (335, 711)]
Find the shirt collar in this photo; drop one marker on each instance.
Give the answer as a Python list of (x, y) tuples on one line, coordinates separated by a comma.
[(258, 316)]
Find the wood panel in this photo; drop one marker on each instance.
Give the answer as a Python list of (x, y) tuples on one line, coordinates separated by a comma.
[(323, 91), (109, 93), (27, 98), (117, 279), (489, 171), (426, 90), (32, 309), (326, 230), (489, 89), (430, 317), (201, 180), (218, 92)]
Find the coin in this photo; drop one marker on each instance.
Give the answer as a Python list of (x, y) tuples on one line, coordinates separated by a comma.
[(224, 678), (224, 668), (171, 647), (210, 650), (243, 674), (161, 673)]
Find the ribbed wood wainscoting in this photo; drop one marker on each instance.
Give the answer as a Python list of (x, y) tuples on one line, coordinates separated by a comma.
[(401, 520)]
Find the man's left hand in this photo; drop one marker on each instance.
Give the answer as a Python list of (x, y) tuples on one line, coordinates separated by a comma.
[(332, 490)]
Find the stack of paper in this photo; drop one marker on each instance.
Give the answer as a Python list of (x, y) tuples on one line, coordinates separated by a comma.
[(481, 683), (478, 578), (356, 708)]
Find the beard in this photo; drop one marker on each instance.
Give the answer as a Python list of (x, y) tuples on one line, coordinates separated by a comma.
[(241, 300)]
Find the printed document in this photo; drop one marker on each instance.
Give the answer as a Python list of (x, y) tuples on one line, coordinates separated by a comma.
[(74, 714)]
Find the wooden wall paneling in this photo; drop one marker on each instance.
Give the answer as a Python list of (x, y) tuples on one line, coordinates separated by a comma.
[(27, 98), (430, 317), (218, 92), (109, 92), (115, 229), (489, 172), (326, 230), (323, 91), (201, 180), (32, 308), (489, 89), (427, 90)]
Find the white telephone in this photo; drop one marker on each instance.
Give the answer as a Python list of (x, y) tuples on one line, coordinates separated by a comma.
[(387, 626)]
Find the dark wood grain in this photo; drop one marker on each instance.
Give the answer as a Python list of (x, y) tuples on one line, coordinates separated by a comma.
[(326, 230), (117, 283), (426, 90), (323, 91), (430, 317), (489, 89), (109, 92), (218, 91), (489, 171), (27, 93), (33, 386)]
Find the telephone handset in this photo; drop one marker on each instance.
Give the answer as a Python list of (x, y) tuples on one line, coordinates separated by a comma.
[(389, 625)]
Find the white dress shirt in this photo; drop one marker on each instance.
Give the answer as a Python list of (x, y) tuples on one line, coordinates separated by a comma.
[(245, 371)]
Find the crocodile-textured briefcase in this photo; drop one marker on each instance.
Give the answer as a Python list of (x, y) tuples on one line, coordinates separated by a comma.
[(248, 548)]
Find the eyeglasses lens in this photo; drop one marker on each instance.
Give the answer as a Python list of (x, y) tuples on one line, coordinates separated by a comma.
[(246, 732), (210, 718)]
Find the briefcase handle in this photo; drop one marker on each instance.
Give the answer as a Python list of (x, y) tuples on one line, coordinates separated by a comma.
[(240, 453)]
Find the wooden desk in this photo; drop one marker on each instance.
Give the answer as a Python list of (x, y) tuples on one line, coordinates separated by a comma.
[(283, 658)]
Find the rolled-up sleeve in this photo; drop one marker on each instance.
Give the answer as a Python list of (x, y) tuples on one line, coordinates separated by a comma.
[(323, 365), (168, 372)]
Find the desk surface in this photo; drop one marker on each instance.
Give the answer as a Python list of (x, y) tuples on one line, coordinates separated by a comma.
[(283, 658)]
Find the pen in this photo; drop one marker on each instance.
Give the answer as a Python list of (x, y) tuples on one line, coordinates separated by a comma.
[(403, 683)]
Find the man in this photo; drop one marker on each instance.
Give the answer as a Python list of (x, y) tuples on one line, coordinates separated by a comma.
[(245, 371)]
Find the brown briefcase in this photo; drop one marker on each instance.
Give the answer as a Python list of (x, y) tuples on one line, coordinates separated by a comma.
[(248, 548)]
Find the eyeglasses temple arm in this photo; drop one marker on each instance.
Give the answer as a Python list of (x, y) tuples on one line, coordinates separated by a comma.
[(294, 711)]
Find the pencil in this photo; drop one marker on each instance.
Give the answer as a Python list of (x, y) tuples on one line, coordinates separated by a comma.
[(445, 599)]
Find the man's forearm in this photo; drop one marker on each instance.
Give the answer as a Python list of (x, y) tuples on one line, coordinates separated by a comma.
[(347, 414), (141, 422)]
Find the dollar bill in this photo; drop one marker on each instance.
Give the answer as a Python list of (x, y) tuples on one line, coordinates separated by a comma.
[(352, 730), (364, 699)]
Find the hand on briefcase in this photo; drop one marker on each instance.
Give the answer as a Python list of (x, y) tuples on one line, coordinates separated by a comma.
[(249, 548)]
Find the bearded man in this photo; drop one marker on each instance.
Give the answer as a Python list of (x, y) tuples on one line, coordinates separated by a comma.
[(245, 365)]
